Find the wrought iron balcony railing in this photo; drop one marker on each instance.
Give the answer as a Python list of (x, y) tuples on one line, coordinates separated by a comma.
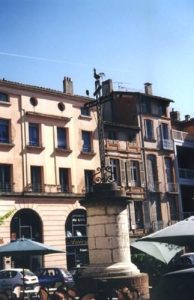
[(172, 187), (6, 187), (186, 173)]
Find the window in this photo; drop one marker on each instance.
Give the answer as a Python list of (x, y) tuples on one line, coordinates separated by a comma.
[(135, 174), (64, 180), (85, 111), (152, 173), (88, 175), (61, 138), (4, 131), (146, 106), (34, 139), (86, 138), (4, 97), (138, 214), (114, 165), (5, 178), (36, 179), (165, 131), (162, 109), (169, 174), (149, 132)]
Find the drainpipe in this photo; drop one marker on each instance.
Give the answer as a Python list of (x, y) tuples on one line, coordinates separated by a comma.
[(22, 142), (55, 163)]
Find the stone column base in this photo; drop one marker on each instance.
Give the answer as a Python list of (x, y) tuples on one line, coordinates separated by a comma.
[(89, 283)]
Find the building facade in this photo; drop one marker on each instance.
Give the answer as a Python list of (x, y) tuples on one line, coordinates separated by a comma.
[(139, 149), (183, 135), (48, 155)]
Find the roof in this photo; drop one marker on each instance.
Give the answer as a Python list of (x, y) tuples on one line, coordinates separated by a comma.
[(35, 88), (159, 98)]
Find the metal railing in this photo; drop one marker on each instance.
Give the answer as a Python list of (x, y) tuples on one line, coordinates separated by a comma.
[(167, 144), (186, 173), (6, 187), (48, 188), (172, 187), (182, 136)]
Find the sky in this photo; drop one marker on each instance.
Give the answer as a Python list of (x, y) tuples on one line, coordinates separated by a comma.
[(131, 41)]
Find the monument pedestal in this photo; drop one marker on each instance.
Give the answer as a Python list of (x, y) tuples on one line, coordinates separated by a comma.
[(109, 245)]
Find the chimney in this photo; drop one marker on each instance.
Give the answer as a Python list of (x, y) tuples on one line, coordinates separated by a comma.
[(187, 117), (67, 86), (175, 115), (148, 88), (107, 87)]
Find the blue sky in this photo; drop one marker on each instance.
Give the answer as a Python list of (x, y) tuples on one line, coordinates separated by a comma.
[(131, 41)]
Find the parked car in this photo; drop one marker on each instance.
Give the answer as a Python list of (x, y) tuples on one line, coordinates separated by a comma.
[(177, 285), (11, 278), (51, 277), (184, 261)]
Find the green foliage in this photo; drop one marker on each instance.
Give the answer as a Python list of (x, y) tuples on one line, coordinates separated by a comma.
[(148, 264), (6, 216)]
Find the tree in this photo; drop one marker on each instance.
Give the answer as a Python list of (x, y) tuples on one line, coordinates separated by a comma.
[(6, 216)]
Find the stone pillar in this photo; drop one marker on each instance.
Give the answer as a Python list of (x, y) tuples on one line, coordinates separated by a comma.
[(108, 239)]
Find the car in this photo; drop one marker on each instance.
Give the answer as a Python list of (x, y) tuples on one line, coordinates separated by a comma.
[(181, 262), (51, 277), (177, 285), (17, 277)]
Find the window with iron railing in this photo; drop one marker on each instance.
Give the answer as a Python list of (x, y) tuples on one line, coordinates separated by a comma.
[(36, 179), (64, 177), (6, 184)]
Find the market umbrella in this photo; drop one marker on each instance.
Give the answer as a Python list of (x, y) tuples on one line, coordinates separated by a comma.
[(27, 247), (180, 233), (161, 251)]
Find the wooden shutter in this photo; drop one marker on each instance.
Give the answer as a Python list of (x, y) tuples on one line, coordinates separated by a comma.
[(132, 215), (146, 214), (128, 165), (122, 172), (142, 174)]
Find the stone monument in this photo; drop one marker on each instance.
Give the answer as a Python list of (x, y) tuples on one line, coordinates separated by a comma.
[(108, 242)]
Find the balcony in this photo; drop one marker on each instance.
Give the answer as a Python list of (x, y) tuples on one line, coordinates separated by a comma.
[(6, 187), (182, 136), (48, 188), (172, 187), (167, 144), (186, 174), (125, 146)]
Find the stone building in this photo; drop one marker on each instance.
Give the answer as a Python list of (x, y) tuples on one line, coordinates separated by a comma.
[(48, 155), (139, 149), (183, 135)]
